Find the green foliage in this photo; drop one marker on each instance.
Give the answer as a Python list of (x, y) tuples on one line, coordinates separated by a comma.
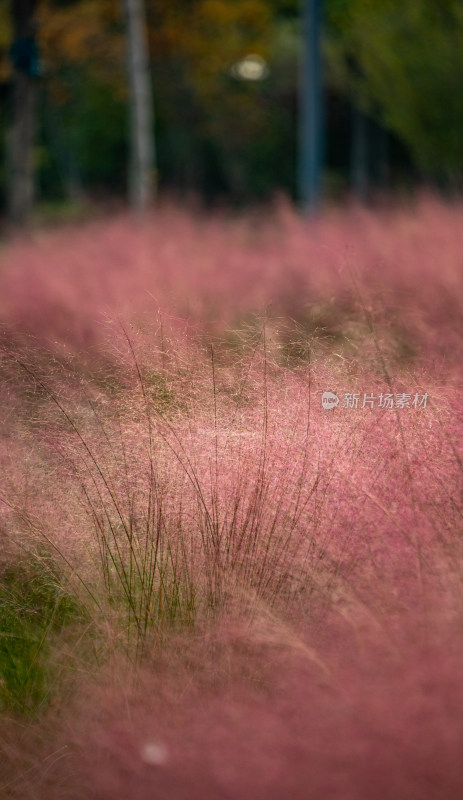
[(84, 137), (100, 144), (33, 605), (402, 61)]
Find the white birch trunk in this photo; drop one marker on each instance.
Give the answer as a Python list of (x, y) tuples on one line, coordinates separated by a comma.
[(142, 148)]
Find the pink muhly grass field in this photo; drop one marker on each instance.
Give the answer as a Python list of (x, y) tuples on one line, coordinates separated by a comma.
[(271, 592), (211, 275)]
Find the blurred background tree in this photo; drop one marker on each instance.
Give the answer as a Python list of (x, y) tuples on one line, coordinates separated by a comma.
[(394, 112), (401, 63), (25, 68), (142, 183)]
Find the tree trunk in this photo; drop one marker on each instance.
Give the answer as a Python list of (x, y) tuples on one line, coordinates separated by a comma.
[(359, 154), (22, 132), (142, 149), (382, 138), (311, 132)]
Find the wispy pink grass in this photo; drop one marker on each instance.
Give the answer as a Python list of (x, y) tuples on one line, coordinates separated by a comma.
[(188, 358)]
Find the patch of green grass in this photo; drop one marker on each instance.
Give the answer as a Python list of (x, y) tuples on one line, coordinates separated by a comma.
[(34, 605), (160, 393)]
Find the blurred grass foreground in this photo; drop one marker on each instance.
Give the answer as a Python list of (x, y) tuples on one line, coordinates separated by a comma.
[(211, 586)]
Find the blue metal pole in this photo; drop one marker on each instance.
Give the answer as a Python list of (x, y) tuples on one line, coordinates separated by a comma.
[(311, 125)]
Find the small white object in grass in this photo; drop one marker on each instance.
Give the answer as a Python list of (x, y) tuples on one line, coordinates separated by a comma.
[(154, 753)]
